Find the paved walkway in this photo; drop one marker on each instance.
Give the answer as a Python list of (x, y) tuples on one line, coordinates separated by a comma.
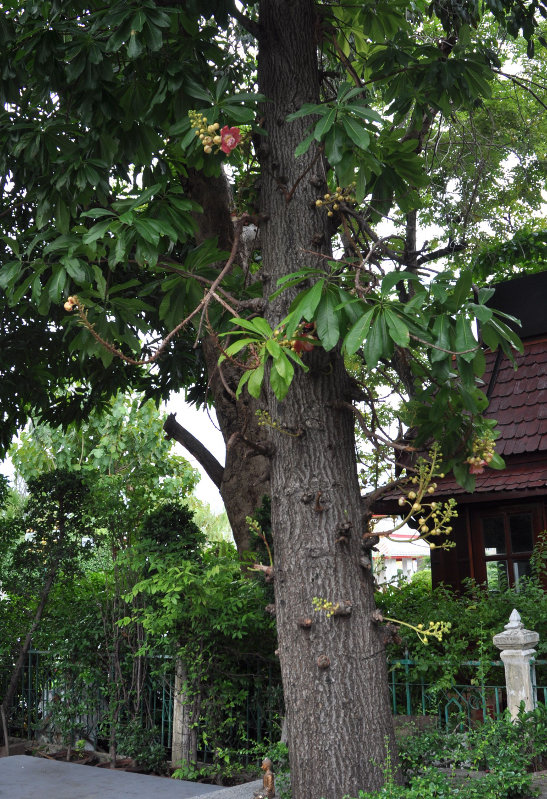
[(24, 777)]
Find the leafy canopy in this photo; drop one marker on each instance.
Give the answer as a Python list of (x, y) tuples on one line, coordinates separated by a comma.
[(100, 157)]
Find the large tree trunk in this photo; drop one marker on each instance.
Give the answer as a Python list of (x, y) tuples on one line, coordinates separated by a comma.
[(334, 671)]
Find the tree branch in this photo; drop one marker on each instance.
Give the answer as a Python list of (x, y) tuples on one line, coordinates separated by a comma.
[(179, 433), (249, 25), (448, 250)]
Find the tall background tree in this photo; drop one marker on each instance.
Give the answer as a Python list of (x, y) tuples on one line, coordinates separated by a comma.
[(116, 124)]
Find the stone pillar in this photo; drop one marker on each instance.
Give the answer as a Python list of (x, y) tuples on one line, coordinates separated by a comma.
[(516, 653)]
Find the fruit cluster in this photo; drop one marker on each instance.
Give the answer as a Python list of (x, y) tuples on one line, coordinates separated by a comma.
[(482, 452), (207, 133), (433, 518), (339, 196), (304, 341)]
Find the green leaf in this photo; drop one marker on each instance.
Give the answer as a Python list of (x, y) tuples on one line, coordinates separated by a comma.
[(461, 290), (378, 344), (397, 328), (9, 272), (359, 332), (465, 340), (148, 231), (356, 132), (243, 380), (479, 363), (263, 327), (74, 269), (100, 280), (364, 112), (304, 145), (328, 326), (306, 110), (280, 385), (246, 324), (239, 114), (508, 335), (62, 216), (95, 213), (334, 147), (273, 348), (325, 124), (254, 384), (97, 231), (497, 462), (134, 47), (237, 346), (283, 367), (351, 306), (197, 91), (466, 480), (490, 336), (481, 312), (442, 327), (56, 284), (304, 305)]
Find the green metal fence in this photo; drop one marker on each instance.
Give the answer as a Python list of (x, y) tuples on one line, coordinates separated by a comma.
[(44, 683), (458, 703), (44, 688)]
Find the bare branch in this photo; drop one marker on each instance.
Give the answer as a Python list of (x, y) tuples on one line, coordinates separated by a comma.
[(213, 468)]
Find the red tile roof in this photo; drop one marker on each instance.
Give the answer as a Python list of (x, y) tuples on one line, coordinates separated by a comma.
[(525, 476), (518, 399)]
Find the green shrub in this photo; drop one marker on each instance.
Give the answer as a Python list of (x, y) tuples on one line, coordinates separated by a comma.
[(143, 746), (475, 616)]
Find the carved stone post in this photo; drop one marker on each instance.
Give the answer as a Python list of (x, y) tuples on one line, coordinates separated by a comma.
[(516, 653)]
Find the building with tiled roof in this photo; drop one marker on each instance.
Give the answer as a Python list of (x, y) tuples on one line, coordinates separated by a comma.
[(499, 523)]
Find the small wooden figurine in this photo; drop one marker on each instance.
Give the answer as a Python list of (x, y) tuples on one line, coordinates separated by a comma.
[(268, 785)]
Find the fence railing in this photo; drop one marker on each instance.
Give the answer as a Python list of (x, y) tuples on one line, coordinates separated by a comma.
[(457, 703), (45, 698), (42, 686)]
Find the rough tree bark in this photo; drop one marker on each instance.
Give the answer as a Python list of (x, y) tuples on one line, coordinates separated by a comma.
[(333, 666)]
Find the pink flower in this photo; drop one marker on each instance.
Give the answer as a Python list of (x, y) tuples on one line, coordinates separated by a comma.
[(230, 139), (477, 468)]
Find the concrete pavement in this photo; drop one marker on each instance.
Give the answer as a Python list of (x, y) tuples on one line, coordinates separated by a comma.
[(23, 777)]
